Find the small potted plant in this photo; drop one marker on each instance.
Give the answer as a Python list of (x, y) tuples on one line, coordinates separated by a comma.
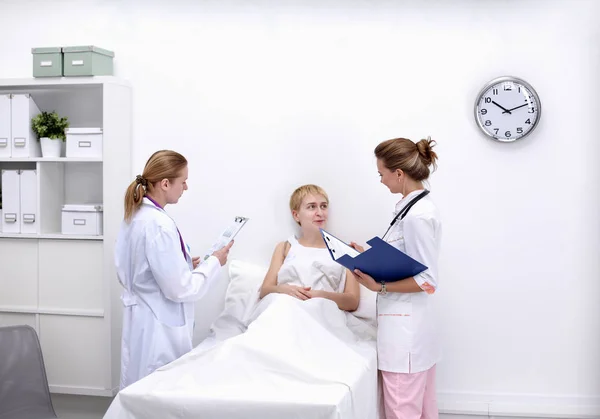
[(50, 131)]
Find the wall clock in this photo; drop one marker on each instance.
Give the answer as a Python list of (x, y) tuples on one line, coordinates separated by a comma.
[(507, 109)]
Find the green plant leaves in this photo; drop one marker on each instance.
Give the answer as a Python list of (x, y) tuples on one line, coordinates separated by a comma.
[(49, 124)]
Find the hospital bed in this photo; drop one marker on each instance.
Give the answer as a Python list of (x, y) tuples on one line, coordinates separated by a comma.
[(274, 358)]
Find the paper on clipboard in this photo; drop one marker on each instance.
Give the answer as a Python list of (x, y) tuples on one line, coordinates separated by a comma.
[(337, 248), (227, 235)]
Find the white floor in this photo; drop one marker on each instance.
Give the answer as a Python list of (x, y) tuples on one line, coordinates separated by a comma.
[(80, 407)]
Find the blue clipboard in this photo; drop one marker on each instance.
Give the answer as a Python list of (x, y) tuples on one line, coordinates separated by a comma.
[(382, 261)]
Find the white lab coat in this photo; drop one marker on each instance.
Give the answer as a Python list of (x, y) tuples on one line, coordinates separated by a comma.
[(159, 291), (407, 340)]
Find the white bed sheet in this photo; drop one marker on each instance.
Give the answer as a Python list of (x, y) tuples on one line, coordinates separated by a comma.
[(298, 359)]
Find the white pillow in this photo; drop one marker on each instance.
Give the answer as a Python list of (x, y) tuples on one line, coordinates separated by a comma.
[(241, 295), (245, 280)]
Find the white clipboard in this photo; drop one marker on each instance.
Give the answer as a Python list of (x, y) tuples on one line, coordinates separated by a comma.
[(227, 235)]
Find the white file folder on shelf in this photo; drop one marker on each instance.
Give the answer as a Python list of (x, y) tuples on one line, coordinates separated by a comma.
[(5, 123), (24, 142), (29, 217), (11, 204)]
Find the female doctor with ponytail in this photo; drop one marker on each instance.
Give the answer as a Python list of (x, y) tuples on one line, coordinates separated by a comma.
[(160, 280), (407, 343)]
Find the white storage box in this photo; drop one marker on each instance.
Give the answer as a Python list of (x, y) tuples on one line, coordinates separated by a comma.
[(84, 142), (82, 220)]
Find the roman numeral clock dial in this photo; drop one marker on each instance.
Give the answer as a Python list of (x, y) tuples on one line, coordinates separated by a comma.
[(507, 109)]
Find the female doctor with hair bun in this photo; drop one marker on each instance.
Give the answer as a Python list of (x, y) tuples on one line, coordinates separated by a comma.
[(160, 280), (407, 343)]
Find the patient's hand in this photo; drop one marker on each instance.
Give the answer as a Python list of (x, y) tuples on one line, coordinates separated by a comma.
[(302, 293), (316, 294), (356, 246)]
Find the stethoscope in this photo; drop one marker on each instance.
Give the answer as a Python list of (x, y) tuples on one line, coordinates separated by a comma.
[(405, 210)]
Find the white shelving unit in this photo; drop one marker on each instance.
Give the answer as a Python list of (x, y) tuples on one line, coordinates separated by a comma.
[(65, 286)]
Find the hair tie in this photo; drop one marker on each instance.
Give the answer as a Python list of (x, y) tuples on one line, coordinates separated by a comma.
[(141, 181)]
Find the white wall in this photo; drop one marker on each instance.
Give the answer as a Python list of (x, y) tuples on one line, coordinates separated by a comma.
[(262, 98)]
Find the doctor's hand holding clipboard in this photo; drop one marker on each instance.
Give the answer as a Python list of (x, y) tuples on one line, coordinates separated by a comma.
[(357, 247), (407, 343), (381, 263)]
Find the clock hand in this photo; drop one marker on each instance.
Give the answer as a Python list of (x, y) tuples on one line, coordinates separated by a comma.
[(509, 110), (504, 109)]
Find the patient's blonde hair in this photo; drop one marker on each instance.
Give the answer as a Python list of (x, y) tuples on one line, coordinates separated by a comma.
[(302, 192)]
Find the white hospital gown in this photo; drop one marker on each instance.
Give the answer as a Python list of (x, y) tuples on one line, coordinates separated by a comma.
[(311, 267)]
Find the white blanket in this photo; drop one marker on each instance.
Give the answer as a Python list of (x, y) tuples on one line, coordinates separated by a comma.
[(298, 359)]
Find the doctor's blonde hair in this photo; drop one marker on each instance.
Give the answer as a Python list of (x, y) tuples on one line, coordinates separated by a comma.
[(163, 164), (413, 159)]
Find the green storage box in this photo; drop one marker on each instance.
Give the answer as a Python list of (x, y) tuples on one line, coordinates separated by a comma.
[(47, 62), (87, 61)]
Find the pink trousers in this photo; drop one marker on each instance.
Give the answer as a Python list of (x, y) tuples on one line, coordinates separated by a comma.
[(409, 396)]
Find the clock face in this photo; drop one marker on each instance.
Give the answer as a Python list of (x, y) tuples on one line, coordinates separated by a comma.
[(507, 109)]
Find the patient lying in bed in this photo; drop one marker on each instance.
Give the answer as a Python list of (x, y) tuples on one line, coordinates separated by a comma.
[(302, 267)]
